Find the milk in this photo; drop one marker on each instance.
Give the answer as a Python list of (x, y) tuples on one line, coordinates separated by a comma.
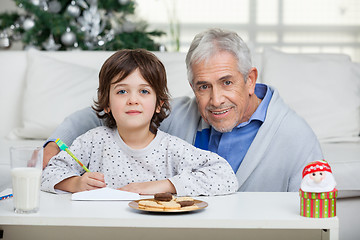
[(26, 189)]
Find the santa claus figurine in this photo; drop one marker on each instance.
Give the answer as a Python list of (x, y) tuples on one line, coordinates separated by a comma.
[(317, 177), (317, 192)]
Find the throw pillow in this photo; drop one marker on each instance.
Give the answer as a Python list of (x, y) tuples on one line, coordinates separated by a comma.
[(323, 91), (53, 90)]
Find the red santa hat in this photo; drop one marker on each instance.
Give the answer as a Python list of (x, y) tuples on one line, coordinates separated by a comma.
[(316, 166)]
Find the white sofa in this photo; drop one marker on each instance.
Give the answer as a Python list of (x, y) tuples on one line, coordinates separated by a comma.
[(39, 89)]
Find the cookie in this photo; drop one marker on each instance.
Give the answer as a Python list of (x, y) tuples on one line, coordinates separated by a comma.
[(145, 204), (170, 205), (180, 199), (163, 197), (186, 203), (152, 209)]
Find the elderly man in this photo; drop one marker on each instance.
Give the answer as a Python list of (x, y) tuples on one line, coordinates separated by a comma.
[(266, 143)]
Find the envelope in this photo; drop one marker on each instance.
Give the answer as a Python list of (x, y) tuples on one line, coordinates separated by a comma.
[(105, 194)]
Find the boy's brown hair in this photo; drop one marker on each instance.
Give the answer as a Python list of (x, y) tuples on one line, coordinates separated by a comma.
[(120, 65)]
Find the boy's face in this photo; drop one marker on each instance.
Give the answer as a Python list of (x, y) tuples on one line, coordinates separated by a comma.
[(132, 102)]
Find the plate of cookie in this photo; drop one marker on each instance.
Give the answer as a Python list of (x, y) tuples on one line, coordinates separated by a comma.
[(166, 202)]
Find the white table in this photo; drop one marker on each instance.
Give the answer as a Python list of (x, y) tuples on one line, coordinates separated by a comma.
[(241, 215)]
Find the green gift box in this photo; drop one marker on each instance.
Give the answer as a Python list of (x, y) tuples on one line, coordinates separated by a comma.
[(318, 205)]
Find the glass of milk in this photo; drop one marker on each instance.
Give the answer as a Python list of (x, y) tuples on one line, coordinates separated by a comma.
[(26, 168)]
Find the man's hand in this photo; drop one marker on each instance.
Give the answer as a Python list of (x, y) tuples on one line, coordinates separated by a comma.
[(86, 182), (150, 188), (50, 150)]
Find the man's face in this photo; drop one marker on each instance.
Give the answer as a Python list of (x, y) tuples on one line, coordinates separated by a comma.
[(222, 95)]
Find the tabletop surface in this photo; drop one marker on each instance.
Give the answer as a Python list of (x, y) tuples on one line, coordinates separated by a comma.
[(239, 210)]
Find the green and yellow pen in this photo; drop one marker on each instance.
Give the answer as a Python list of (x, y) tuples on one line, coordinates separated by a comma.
[(64, 147)]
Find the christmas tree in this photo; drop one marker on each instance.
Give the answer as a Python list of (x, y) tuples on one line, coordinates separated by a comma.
[(76, 24)]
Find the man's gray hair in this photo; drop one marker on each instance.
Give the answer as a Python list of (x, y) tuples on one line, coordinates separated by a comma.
[(206, 44)]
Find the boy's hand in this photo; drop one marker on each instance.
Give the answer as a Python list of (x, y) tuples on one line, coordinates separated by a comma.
[(86, 182), (150, 188)]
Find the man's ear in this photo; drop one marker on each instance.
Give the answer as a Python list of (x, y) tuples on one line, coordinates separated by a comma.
[(251, 80), (253, 75)]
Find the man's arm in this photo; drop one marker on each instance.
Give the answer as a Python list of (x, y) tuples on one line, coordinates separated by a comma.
[(50, 150), (183, 119), (73, 126)]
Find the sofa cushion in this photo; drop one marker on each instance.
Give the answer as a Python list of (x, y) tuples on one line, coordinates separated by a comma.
[(325, 92), (53, 90), (345, 164), (59, 83), (257, 58)]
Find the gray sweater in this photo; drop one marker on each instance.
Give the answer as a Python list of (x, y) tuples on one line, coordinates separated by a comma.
[(284, 144)]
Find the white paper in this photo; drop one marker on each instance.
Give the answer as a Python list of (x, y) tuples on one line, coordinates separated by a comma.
[(104, 194)]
